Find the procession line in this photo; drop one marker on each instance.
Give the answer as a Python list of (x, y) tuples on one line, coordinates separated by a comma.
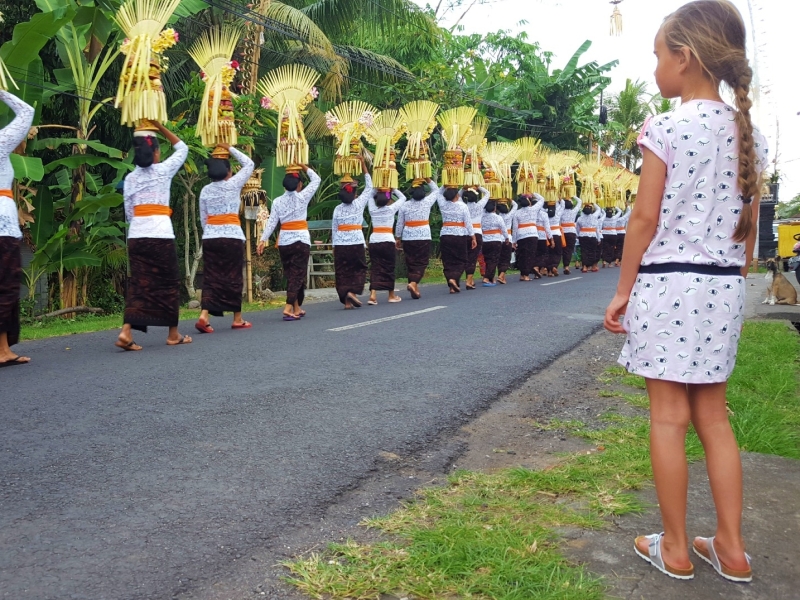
[(376, 321)]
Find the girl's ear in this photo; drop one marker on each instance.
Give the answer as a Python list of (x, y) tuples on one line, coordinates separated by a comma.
[(684, 59)]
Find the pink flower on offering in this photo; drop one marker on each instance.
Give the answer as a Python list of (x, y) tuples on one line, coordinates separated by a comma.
[(235, 65), (266, 103), (314, 93), (177, 37)]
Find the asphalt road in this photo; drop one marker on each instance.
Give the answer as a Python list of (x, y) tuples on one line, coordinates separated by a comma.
[(141, 475)]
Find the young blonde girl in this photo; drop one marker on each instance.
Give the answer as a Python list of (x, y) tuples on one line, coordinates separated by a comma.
[(681, 289)]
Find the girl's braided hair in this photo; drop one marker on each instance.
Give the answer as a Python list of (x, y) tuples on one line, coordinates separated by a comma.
[(714, 32)]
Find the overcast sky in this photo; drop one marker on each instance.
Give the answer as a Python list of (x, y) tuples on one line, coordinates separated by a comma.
[(561, 26)]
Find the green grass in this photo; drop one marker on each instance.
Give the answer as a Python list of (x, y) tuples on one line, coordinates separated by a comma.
[(495, 535), (56, 327)]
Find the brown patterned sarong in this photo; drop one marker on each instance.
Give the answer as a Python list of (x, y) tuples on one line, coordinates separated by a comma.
[(350, 268), (609, 248), (542, 252), (454, 250), (294, 258), (590, 252), (554, 253), (569, 249), (383, 259), (491, 254), (153, 296), (10, 278), (619, 246), (526, 254), (418, 254), (223, 281), (504, 263), (473, 254)]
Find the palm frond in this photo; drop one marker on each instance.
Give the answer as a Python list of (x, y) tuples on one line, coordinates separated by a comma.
[(301, 25), (456, 125)]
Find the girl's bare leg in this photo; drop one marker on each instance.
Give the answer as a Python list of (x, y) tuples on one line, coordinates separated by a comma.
[(724, 465), (669, 421)]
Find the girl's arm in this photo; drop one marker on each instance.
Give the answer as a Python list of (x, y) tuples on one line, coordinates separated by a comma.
[(641, 228), (750, 243)]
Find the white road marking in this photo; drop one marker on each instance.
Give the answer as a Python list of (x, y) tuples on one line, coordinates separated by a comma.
[(562, 281), (376, 321)]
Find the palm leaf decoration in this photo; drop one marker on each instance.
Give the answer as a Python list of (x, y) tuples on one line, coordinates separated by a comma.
[(529, 159), (497, 158), (456, 125), (589, 172), (474, 144), (572, 160), (140, 93), (348, 122), (386, 131), (212, 52), (288, 90), (420, 118), (5, 77)]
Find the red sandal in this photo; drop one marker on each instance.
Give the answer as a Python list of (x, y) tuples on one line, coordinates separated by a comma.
[(203, 327), (242, 325)]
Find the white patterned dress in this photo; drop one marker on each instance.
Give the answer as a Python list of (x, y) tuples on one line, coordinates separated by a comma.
[(683, 323)]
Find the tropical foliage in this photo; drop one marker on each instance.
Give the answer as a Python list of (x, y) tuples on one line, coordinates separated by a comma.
[(64, 54)]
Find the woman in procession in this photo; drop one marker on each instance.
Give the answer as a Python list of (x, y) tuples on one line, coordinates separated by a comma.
[(153, 295), (588, 227), (554, 254), (382, 245), (413, 232), (545, 240), (608, 247), (525, 235), (475, 207), (456, 238), (682, 312), (290, 211), (507, 250), (494, 234), (572, 207), (223, 238), (11, 136), (622, 225), (349, 256)]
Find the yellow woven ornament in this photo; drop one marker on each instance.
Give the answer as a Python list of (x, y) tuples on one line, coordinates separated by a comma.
[(348, 122), (140, 94), (420, 118), (385, 132), (5, 78), (212, 53), (288, 90), (497, 157), (456, 126), (474, 145), (529, 159)]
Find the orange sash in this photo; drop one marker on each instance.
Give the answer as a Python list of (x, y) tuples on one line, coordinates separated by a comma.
[(348, 227), (7, 194), (589, 229), (524, 225), (294, 226), (225, 219), (152, 210), (540, 228), (555, 228), (568, 224), (453, 224), (492, 232), (388, 230), (416, 223)]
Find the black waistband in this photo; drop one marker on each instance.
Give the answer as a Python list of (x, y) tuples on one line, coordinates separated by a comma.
[(675, 267)]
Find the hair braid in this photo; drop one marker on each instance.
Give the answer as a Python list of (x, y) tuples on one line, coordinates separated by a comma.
[(748, 176)]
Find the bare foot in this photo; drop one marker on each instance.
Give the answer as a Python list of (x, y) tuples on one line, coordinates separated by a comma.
[(180, 340), (127, 344), (12, 359)]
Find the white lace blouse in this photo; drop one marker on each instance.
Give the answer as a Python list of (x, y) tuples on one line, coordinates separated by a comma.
[(416, 210), (10, 137), (224, 197), (383, 216), (524, 222), (455, 212), (555, 221), (508, 218), (151, 186), (292, 206), (569, 215), (476, 210), (351, 214), (543, 224), (586, 223), (494, 222)]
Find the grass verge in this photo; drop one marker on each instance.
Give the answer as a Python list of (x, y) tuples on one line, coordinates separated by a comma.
[(495, 535), (56, 327)]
